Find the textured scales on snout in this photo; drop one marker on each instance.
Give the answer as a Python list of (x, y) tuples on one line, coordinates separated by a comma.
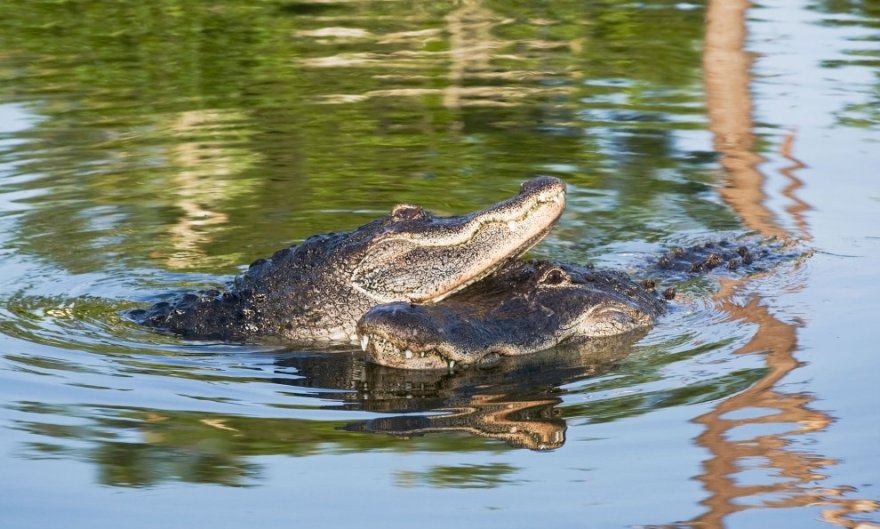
[(316, 292)]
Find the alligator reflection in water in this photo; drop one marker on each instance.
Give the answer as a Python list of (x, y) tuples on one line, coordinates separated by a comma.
[(514, 401)]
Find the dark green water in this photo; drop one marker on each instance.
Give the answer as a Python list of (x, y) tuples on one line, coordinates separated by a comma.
[(147, 147)]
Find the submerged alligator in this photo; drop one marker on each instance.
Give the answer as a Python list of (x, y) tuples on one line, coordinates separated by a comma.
[(317, 291), (527, 307)]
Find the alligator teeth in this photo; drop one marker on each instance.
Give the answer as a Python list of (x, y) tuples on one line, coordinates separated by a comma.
[(408, 354), (422, 354), (365, 340), (451, 364)]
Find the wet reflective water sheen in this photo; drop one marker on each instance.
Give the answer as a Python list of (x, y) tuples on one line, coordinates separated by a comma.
[(151, 147)]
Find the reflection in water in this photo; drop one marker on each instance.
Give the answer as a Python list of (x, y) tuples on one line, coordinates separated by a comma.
[(208, 162), (471, 46), (795, 472), (528, 424), (726, 78), (473, 78), (461, 477), (188, 134), (798, 207), (515, 402)]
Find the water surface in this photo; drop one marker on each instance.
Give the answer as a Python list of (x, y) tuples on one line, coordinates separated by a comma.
[(151, 147)]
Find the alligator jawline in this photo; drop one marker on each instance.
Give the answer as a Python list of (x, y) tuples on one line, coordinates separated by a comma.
[(432, 358)]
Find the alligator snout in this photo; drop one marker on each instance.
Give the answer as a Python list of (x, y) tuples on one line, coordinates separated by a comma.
[(397, 335)]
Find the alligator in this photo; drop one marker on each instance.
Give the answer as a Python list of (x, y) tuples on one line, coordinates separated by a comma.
[(314, 293), (530, 306)]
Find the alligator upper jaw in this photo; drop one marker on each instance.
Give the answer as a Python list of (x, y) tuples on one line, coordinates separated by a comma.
[(429, 259)]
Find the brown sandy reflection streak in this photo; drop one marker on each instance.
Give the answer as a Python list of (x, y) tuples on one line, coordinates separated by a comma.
[(799, 469), (204, 180), (729, 105), (471, 44), (797, 207), (473, 80), (726, 71)]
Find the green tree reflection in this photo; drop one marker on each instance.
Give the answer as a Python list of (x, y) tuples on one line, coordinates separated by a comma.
[(197, 135)]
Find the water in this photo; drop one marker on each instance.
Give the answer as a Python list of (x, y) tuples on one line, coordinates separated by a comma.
[(149, 147)]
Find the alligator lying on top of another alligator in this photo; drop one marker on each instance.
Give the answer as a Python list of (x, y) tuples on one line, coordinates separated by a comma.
[(384, 285), (315, 293)]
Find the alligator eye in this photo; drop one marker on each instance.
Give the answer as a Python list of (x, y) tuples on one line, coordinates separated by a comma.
[(407, 211), (554, 276)]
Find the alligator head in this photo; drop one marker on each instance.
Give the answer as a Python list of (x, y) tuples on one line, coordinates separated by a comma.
[(414, 256), (315, 292), (524, 308)]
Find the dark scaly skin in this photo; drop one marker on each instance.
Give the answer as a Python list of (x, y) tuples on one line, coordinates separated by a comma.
[(315, 292), (527, 307)]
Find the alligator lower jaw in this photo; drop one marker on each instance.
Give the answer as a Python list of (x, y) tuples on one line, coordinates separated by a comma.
[(385, 352)]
